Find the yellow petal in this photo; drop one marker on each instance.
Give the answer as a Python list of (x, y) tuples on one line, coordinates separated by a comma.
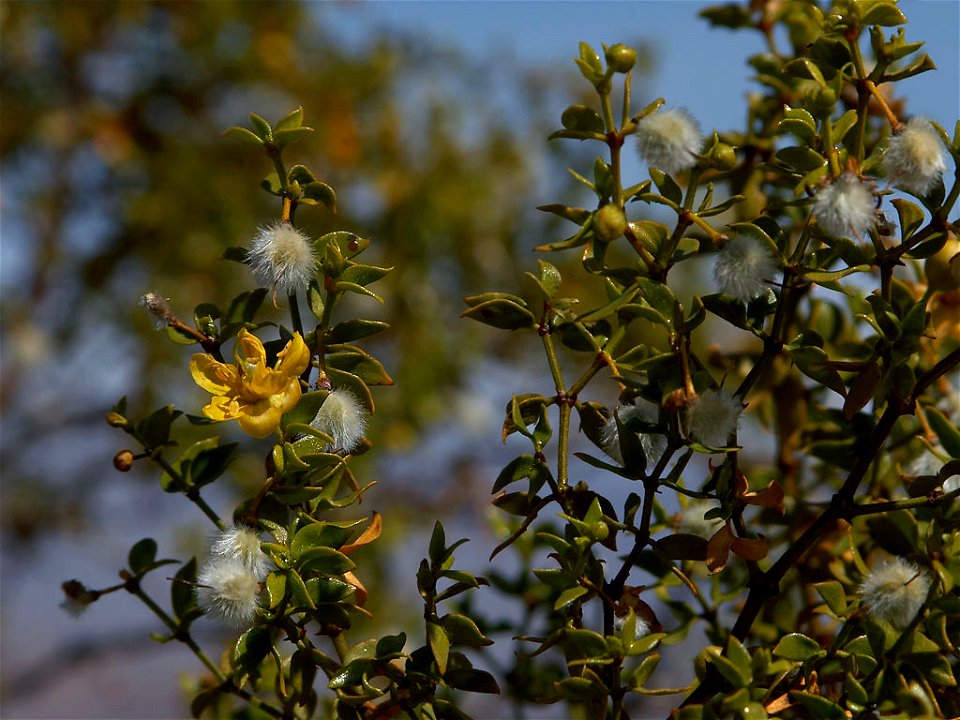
[(249, 349), (222, 407), (294, 358), (259, 421), (213, 376), (288, 399)]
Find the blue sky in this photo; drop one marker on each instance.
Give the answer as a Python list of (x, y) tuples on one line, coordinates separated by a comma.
[(698, 67)]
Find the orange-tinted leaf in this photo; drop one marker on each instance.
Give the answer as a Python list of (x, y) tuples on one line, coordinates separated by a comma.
[(749, 548), (367, 536), (718, 549)]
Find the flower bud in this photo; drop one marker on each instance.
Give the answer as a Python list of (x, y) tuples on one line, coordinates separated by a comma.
[(123, 460), (943, 269), (621, 58), (609, 223), (115, 419)]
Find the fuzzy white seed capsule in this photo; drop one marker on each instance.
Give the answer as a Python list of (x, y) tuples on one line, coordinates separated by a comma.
[(845, 207), (229, 590), (692, 519), (669, 140), (242, 544), (744, 268), (712, 417), (282, 257), (641, 630), (915, 158), (894, 591), (156, 305), (343, 418), (653, 445)]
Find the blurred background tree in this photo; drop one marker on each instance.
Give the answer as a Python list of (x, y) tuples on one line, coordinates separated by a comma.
[(117, 181)]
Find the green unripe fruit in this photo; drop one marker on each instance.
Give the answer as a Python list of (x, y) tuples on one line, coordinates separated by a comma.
[(609, 222), (621, 58), (723, 156), (943, 269), (599, 531)]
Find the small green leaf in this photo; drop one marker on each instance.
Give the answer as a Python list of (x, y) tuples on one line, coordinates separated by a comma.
[(350, 330), (261, 127), (569, 595), (834, 596), (243, 135), (439, 645), (183, 597), (947, 433), (503, 314), (290, 121), (142, 555), (326, 561), (461, 630), (282, 138), (797, 646), (321, 192), (885, 14)]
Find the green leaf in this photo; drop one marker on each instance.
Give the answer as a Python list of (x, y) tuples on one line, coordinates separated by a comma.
[(209, 464), (271, 183), (804, 159), (523, 466), (321, 192), (154, 430), (947, 433), (667, 185), (472, 680), (291, 120), (361, 365), (261, 127), (910, 215), (503, 314), (799, 122), (549, 278), (731, 672), (324, 560), (243, 135), (797, 646), (345, 286), (364, 274), (350, 674), (276, 588), (249, 651), (142, 556), (439, 645), (350, 330), (282, 138), (843, 124), (819, 707), (569, 595), (885, 14), (834, 596), (583, 118), (183, 598), (461, 630)]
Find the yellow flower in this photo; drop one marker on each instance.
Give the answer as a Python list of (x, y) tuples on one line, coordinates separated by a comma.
[(250, 392)]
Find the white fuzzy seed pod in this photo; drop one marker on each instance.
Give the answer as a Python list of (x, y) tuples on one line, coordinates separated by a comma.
[(229, 590), (894, 591), (744, 268), (713, 417), (343, 418), (845, 207), (669, 140), (915, 158), (242, 543), (282, 257)]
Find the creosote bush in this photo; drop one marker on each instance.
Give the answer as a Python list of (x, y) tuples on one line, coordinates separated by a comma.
[(788, 498)]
